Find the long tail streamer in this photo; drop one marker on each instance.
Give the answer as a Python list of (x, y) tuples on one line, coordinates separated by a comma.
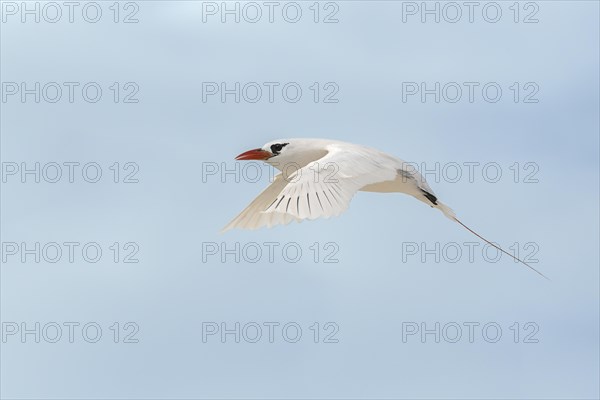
[(499, 248)]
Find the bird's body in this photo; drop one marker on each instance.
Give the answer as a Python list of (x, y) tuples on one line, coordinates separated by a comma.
[(319, 177)]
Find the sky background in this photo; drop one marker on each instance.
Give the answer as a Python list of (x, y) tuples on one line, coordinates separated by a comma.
[(377, 289)]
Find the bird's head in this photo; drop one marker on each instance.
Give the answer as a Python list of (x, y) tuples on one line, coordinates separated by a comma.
[(286, 153), (268, 151)]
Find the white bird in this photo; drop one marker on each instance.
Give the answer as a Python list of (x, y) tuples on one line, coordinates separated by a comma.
[(319, 178)]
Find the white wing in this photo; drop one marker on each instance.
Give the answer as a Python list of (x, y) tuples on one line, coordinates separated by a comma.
[(323, 188), (253, 216)]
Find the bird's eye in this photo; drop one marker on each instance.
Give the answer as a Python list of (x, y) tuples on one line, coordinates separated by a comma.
[(276, 148)]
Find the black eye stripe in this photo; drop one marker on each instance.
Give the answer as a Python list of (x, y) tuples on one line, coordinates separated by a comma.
[(276, 148)]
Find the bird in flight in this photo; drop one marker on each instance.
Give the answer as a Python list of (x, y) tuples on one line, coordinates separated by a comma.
[(319, 178)]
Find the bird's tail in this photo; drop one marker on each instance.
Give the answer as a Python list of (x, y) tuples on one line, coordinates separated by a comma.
[(446, 210), (450, 214)]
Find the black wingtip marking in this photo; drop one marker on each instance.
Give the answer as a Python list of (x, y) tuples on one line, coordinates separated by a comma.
[(308, 201), (288, 204), (430, 197)]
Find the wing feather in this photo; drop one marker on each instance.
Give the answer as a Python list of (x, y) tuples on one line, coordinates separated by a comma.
[(315, 192), (321, 189), (253, 217)]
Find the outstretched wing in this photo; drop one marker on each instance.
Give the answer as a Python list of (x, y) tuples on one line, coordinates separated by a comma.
[(325, 187), (253, 216)]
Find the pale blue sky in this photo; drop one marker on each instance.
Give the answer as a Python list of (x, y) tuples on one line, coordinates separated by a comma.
[(370, 292)]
